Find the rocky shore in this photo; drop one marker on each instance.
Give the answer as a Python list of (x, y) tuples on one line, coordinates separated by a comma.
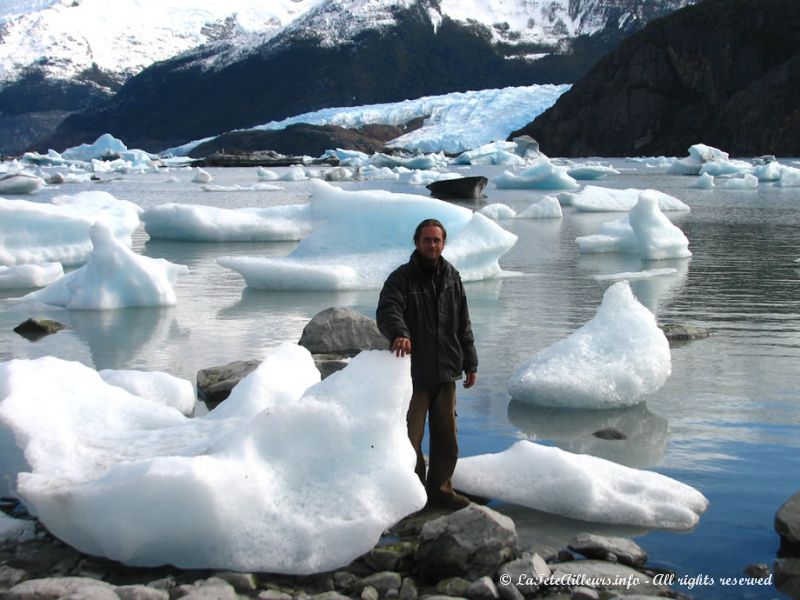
[(473, 553)]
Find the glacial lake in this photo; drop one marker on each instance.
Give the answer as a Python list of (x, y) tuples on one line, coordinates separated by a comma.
[(726, 422)]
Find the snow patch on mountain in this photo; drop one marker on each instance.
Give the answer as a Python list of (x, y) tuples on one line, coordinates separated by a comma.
[(64, 38)]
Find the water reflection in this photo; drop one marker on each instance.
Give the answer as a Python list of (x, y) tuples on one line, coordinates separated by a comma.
[(572, 430), (117, 338)]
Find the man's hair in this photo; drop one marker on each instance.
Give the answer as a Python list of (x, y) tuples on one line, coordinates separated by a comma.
[(429, 223)]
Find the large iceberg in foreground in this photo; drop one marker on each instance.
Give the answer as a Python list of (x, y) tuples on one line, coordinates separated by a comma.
[(644, 231), (58, 231), (192, 222), (360, 237), (288, 475), (580, 486), (615, 359), (113, 277)]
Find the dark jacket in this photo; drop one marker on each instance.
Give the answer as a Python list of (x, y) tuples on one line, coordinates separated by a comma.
[(432, 312)]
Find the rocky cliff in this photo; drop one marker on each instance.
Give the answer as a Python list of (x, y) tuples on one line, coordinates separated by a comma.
[(724, 72)]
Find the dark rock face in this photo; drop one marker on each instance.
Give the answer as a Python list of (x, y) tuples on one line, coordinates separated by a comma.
[(724, 72), (303, 139), (468, 188), (342, 331)]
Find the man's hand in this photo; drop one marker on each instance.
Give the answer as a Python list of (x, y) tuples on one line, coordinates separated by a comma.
[(469, 380), (401, 346)]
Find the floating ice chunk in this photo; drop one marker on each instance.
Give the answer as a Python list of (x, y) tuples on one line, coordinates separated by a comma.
[(547, 207), (20, 183), (580, 486), (599, 199), (258, 187), (113, 277), (746, 182), (495, 153), (29, 276), (699, 154), (633, 275), (644, 231), (770, 171), (104, 146), (40, 232), (790, 177), (295, 173), (704, 182), (288, 475), (267, 175), (498, 211), (615, 359), (720, 168), (162, 388), (423, 177), (190, 222), (591, 172), (360, 237), (202, 176), (541, 175)]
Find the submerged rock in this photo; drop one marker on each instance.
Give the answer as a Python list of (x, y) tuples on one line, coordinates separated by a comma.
[(35, 329), (622, 550), (682, 333)]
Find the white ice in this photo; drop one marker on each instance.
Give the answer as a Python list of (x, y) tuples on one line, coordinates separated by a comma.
[(113, 277), (615, 359), (745, 182), (494, 153), (20, 183), (541, 175), (257, 187), (196, 223), (580, 486), (600, 199), (547, 207), (591, 172), (704, 182), (361, 236), (633, 275), (644, 231), (162, 388), (288, 475), (41, 232), (29, 276), (699, 155), (497, 211), (202, 176)]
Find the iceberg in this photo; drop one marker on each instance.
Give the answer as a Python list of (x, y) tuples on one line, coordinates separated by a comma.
[(289, 475), (113, 277), (599, 199), (361, 236), (580, 486), (541, 175), (191, 222), (30, 276), (548, 207), (644, 231), (20, 183), (615, 359), (41, 232)]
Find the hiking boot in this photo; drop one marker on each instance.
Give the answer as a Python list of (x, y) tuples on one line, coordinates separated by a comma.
[(452, 501)]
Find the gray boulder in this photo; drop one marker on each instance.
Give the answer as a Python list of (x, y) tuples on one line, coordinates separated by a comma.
[(57, 587), (622, 550), (342, 331), (683, 333), (35, 329), (787, 524), (464, 188), (620, 577), (470, 543), (787, 576), (214, 384)]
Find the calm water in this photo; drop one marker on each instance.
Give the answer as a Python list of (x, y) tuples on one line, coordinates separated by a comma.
[(727, 421)]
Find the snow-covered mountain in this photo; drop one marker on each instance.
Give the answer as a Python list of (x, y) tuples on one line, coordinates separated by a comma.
[(71, 55)]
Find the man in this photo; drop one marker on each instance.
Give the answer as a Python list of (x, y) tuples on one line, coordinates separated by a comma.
[(422, 311)]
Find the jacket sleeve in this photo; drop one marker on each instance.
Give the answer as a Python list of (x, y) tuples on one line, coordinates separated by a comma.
[(465, 336), (392, 307)]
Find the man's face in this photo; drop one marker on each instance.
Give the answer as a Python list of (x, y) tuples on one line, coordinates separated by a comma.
[(430, 242)]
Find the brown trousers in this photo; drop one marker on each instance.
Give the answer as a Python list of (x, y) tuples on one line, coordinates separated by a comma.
[(439, 403)]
